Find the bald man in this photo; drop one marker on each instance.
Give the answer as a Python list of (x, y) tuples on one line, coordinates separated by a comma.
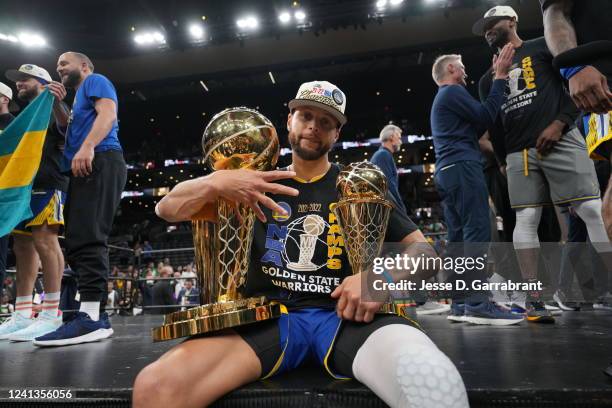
[(93, 158)]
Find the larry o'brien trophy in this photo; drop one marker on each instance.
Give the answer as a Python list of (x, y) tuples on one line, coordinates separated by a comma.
[(363, 214), (237, 138)]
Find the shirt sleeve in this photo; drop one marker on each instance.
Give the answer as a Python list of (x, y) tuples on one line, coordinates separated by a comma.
[(98, 87), (471, 110), (484, 85), (399, 226)]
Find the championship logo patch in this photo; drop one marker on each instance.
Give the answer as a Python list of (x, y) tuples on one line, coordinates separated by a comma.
[(338, 97), (280, 217)]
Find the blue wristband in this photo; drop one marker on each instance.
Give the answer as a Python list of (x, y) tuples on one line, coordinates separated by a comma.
[(567, 73)]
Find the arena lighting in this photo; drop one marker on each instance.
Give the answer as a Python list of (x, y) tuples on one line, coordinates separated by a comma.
[(150, 38), (381, 4), (31, 40), (196, 31), (272, 77), (205, 88), (300, 15), (396, 2), (247, 23), (9, 38), (284, 17)]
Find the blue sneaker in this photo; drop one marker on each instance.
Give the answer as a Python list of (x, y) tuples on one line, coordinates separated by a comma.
[(518, 309), (490, 313), (79, 330), (457, 312)]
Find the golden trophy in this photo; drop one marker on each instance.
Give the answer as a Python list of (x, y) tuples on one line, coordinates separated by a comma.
[(236, 138), (363, 214)]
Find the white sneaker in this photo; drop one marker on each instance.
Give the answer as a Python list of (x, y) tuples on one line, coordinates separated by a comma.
[(431, 308), (554, 310), (15, 323), (42, 325)]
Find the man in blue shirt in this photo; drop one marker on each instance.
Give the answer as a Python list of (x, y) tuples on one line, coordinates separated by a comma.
[(457, 122), (391, 141), (94, 159)]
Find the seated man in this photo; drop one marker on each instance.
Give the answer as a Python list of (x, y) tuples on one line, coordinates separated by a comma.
[(327, 321)]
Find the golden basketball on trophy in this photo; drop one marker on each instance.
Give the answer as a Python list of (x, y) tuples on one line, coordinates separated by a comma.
[(236, 138), (363, 214)]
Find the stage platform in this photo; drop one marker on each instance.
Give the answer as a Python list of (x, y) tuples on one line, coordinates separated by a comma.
[(528, 365)]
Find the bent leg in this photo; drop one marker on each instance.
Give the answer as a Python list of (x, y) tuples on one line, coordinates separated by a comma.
[(406, 369), (196, 373)]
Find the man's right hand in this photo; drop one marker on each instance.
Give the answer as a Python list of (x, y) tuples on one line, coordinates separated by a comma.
[(58, 90), (590, 92), (248, 187), (503, 61)]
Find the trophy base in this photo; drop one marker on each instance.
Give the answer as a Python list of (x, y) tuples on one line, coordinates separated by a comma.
[(215, 317)]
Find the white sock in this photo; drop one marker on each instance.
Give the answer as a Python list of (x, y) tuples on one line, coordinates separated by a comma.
[(51, 304), (92, 309), (23, 306)]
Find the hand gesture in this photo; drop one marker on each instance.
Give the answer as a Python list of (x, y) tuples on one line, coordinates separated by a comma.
[(248, 187), (503, 61)]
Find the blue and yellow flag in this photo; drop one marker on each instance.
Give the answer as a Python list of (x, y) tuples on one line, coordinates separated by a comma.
[(21, 145)]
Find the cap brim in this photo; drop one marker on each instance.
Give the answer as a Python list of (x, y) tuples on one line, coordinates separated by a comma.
[(16, 75), (294, 103), (13, 107), (479, 27)]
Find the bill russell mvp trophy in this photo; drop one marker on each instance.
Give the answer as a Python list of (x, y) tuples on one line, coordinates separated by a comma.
[(237, 138), (363, 214)]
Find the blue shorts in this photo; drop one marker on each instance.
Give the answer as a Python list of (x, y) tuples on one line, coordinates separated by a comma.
[(47, 207), (311, 334)]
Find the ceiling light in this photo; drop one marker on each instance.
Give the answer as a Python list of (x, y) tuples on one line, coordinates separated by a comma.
[(150, 38), (248, 23), (300, 15), (196, 31), (31, 40), (284, 17), (381, 4)]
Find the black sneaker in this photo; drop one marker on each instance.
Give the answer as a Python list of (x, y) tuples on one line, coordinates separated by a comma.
[(563, 303), (537, 313)]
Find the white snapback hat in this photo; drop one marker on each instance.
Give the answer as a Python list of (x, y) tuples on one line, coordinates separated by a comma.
[(28, 71), (497, 12), (323, 95), (6, 90)]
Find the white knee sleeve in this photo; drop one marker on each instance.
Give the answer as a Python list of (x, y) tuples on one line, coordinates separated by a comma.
[(525, 233), (590, 212), (406, 369)]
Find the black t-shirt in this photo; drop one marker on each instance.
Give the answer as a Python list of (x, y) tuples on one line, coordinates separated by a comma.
[(592, 22), (5, 120), (49, 175), (300, 259), (535, 96)]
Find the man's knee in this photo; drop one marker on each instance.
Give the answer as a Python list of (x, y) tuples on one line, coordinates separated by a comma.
[(46, 241), (155, 386)]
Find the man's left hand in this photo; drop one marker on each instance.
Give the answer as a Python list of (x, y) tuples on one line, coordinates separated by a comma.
[(82, 162), (350, 306), (549, 137)]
